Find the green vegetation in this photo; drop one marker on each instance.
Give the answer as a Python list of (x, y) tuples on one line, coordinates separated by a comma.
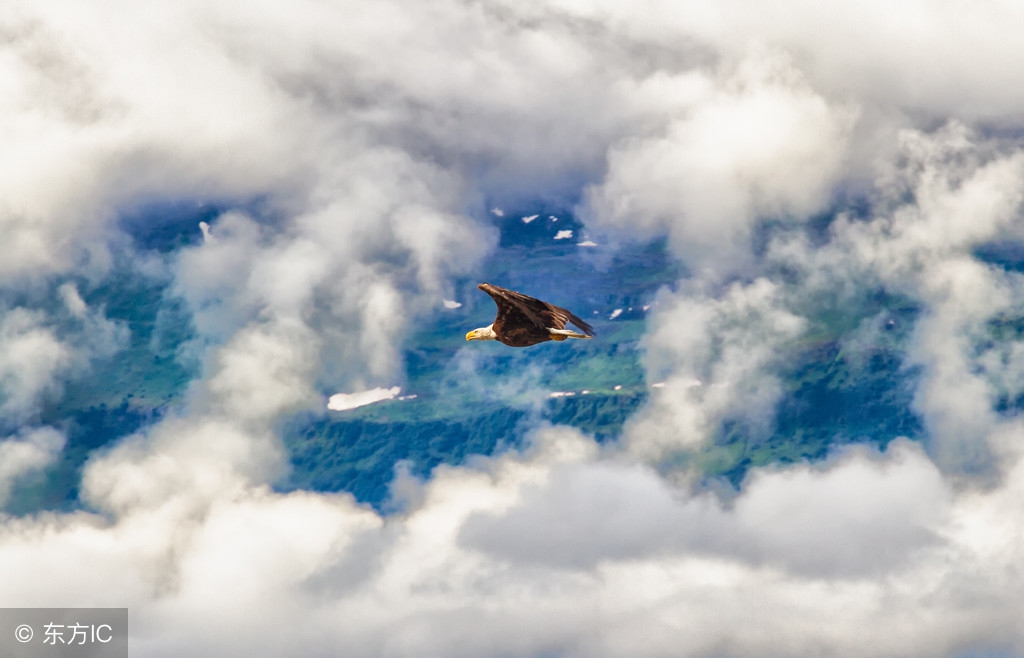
[(359, 454), (146, 374), (118, 393), (844, 381), (834, 394)]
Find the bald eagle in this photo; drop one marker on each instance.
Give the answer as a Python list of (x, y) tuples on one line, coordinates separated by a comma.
[(523, 321)]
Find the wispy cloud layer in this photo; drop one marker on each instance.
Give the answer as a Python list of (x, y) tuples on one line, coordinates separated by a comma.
[(360, 145)]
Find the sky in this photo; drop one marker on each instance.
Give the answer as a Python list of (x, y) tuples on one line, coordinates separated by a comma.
[(378, 136)]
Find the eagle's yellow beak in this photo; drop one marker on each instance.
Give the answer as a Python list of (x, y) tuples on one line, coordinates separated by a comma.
[(471, 335)]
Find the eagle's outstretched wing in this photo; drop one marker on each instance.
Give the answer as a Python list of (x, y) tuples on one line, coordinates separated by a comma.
[(539, 313)]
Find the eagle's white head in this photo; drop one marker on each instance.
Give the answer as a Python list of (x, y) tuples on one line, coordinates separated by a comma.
[(483, 333)]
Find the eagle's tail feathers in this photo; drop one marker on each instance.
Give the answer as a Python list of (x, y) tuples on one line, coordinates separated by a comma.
[(566, 333)]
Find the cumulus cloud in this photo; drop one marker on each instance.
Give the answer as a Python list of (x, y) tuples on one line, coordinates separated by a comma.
[(720, 355), (757, 143), (861, 514), (40, 348), (30, 451), (486, 554), (31, 360), (358, 146), (962, 194)]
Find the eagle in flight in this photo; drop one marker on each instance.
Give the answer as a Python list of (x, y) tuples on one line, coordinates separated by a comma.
[(523, 321)]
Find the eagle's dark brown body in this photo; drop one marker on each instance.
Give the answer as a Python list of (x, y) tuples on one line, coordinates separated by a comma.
[(523, 320)]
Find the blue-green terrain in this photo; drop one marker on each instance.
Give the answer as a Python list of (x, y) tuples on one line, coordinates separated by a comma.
[(478, 398)]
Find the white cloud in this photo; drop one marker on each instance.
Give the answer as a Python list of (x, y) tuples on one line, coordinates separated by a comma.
[(963, 195), (733, 344), (74, 302), (581, 551), (864, 513), (264, 371), (761, 144), (204, 228), (30, 451), (32, 358), (371, 134)]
